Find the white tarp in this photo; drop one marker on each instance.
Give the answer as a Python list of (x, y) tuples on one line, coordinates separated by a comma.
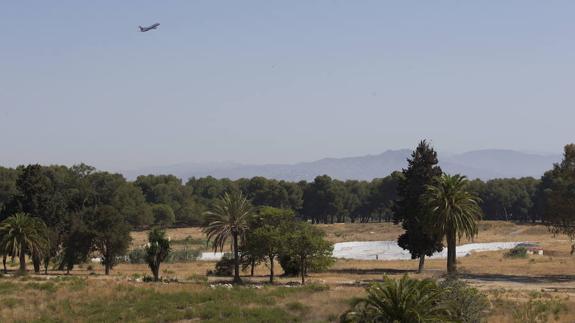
[(211, 256), (389, 250)]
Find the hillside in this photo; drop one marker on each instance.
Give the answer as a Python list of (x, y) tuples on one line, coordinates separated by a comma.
[(483, 164)]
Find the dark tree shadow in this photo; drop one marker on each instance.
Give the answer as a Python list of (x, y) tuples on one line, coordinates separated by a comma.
[(371, 271), (519, 278)]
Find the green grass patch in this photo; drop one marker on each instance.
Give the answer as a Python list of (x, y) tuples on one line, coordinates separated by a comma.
[(297, 307), (131, 303), (47, 287), (7, 287), (195, 278), (10, 302)]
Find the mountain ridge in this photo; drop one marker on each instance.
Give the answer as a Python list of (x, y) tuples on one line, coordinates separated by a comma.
[(483, 164)]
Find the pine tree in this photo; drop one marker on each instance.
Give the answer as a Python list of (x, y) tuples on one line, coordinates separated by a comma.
[(411, 211)]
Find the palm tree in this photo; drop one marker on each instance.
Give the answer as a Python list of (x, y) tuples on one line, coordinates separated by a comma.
[(22, 234), (403, 300), (229, 218), (157, 250), (455, 212)]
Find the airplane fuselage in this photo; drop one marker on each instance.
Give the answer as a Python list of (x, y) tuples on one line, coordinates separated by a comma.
[(144, 29)]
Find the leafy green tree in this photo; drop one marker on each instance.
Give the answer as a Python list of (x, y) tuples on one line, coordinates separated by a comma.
[(76, 242), (168, 190), (294, 196), (51, 247), (556, 195), (157, 250), (403, 300), (228, 218), (34, 188), (163, 215), (411, 211), (454, 213), (265, 239), (321, 202), (8, 189), (129, 201), (22, 234), (209, 189), (111, 235), (306, 243), (380, 200)]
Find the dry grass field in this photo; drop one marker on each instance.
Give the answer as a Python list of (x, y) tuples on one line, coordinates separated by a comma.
[(513, 285)]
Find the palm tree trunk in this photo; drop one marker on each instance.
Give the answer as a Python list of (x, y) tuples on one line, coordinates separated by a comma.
[(302, 269), (451, 253), (237, 279), (22, 257), (46, 264), (4, 258), (421, 264), (271, 269), (156, 272), (36, 262)]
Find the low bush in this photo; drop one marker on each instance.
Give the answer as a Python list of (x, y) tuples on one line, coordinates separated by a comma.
[(517, 252), (413, 300), (137, 256), (465, 304), (289, 265), (224, 267)]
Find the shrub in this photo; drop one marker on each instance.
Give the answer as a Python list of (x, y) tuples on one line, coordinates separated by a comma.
[(148, 279), (412, 300), (137, 256), (517, 252), (464, 303), (289, 264), (224, 267)]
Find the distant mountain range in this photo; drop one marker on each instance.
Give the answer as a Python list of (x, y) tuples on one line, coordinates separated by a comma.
[(483, 164)]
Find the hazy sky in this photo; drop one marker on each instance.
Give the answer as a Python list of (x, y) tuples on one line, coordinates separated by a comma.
[(280, 81)]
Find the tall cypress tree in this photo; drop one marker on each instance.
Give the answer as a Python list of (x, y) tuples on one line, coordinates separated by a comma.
[(410, 210), (556, 196)]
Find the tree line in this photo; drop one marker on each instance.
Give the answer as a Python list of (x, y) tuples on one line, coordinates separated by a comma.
[(165, 200), (75, 211)]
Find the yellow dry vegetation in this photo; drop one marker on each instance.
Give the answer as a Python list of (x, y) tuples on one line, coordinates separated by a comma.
[(546, 281)]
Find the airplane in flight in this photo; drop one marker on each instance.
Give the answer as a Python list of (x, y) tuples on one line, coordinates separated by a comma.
[(144, 29)]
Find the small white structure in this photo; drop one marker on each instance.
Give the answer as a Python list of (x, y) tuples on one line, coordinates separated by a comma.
[(211, 256), (535, 250)]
